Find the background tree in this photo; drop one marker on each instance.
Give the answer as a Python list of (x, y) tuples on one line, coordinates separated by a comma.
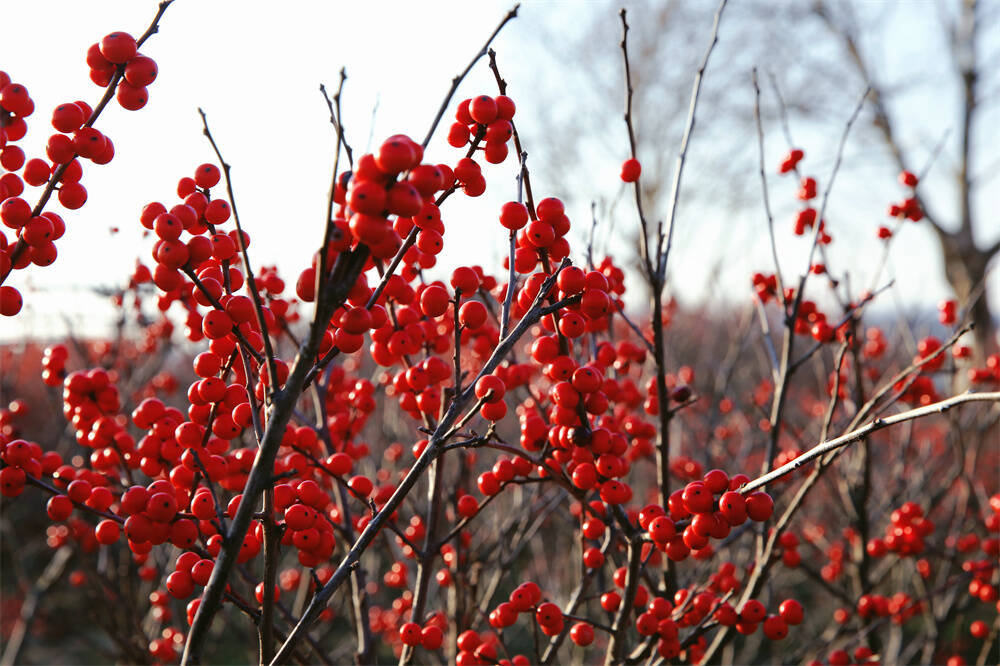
[(815, 60)]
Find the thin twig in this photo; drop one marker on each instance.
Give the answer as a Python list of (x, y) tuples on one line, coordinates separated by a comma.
[(458, 79)]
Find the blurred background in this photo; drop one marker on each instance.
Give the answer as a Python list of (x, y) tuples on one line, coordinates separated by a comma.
[(256, 72)]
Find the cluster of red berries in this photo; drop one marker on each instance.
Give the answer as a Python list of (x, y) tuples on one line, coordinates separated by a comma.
[(544, 233), (900, 607), (474, 649), (989, 373), (805, 218), (119, 51), (788, 547), (21, 459), (486, 118), (306, 527), (430, 636), (493, 480), (905, 533), (152, 517), (54, 365), (171, 443), (907, 209), (766, 287), (754, 614), (76, 137), (809, 321), (166, 648), (707, 517)]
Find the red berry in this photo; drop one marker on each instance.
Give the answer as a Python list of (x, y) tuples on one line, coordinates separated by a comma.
[(775, 628), (760, 506), (472, 314), (753, 612), (10, 301), (107, 532), (431, 637), (434, 301), (513, 215), (979, 629), (140, 71), (483, 109), (59, 507), (130, 97), (697, 498), (118, 47), (791, 611), (582, 634), (631, 169), (410, 634)]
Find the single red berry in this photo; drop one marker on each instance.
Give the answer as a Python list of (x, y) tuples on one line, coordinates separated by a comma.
[(468, 506), (513, 215), (582, 634), (130, 97), (107, 532), (431, 637), (697, 498), (59, 507), (753, 612), (140, 71), (472, 314), (791, 611), (631, 169), (118, 47), (760, 506), (716, 481), (10, 301), (483, 109), (434, 301), (410, 634), (979, 629), (775, 628), (490, 386)]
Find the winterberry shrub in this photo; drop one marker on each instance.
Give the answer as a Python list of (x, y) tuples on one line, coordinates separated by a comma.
[(360, 461)]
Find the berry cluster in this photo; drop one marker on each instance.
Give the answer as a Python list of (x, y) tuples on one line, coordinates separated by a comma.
[(115, 64), (488, 119)]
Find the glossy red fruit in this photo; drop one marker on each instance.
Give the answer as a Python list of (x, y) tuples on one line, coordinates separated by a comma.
[(760, 506), (791, 611), (411, 634), (118, 47), (582, 634), (775, 628), (483, 109), (631, 170)]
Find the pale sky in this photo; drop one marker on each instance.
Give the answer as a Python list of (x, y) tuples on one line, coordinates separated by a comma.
[(255, 70)]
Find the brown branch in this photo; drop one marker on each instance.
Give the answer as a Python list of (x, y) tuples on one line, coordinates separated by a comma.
[(664, 244), (349, 266), (241, 242), (458, 79), (862, 432), (763, 182)]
